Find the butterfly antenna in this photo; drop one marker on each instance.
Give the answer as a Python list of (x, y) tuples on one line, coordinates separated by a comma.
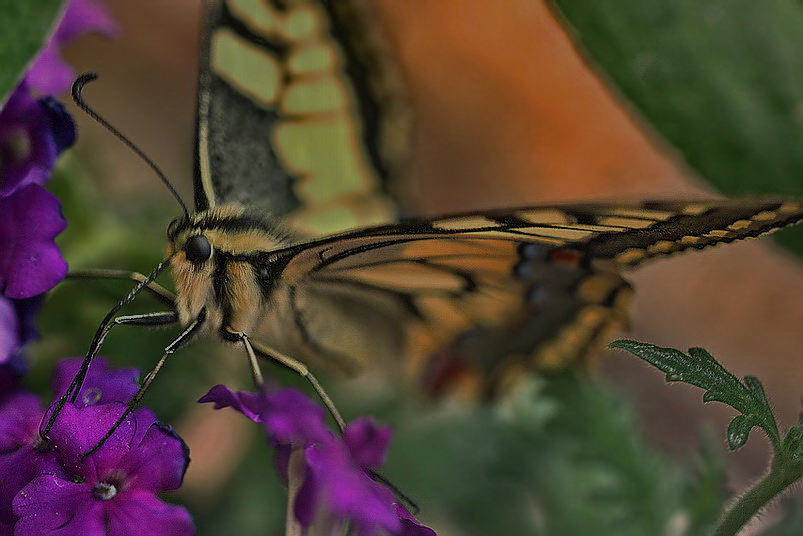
[(77, 89)]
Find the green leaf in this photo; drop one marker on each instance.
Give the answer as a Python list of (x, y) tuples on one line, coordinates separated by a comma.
[(699, 368), (793, 443), (24, 29), (720, 80), (738, 431)]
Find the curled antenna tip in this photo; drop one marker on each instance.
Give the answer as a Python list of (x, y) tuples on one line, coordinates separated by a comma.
[(77, 89), (79, 84)]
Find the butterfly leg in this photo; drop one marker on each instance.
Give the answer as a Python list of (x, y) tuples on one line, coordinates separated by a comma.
[(165, 318), (302, 370), (184, 338), (110, 320), (256, 373), (157, 290)]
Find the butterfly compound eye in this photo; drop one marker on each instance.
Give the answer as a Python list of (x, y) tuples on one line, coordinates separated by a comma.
[(198, 248)]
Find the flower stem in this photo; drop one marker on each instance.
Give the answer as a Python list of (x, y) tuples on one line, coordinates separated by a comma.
[(780, 476), (295, 477)]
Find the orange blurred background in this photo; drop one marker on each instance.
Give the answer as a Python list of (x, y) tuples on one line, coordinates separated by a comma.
[(507, 113)]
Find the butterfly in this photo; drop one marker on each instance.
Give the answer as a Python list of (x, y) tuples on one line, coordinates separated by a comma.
[(294, 240)]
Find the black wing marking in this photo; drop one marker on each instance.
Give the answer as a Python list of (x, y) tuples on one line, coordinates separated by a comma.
[(625, 234)]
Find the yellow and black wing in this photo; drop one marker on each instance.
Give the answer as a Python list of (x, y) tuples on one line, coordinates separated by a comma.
[(299, 114), (468, 301)]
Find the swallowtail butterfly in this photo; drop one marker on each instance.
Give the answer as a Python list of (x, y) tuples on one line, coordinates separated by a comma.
[(295, 242)]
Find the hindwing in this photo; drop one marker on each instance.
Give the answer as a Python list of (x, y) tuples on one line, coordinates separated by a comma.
[(469, 300)]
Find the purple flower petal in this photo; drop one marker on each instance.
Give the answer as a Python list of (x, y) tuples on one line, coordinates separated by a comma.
[(52, 505), (17, 411), (249, 404), (293, 419), (288, 414), (410, 525), (9, 330), (159, 461), (368, 442), (142, 514), (50, 74), (27, 148), (30, 262), (337, 486), (76, 430), (17, 327), (101, 385), (84, 16), (57, 507), (19, 462), (17, 469), (62, 125)]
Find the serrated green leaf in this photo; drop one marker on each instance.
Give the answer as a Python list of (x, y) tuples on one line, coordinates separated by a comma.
[(720, 80), (738, 432), (756, 389), (699, 368), (24, 29)]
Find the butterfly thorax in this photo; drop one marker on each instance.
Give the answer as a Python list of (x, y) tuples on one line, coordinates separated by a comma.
[(222, 264)]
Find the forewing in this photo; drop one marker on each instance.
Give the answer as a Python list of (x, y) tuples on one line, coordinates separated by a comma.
[(298, 113)]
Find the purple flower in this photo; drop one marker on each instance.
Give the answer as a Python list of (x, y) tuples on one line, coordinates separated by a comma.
[(336, 487), (9, 338), (50, 74), (112, 491), (16, 329), (22, 454), (20, 458), (27, 147), (52, 485), (30, 262)]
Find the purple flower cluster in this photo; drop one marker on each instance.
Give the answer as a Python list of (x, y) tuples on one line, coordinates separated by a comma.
[(332, 474), (34, 130), (52, 488)]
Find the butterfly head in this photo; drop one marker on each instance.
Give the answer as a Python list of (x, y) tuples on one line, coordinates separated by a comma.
[(217, 258), (188, 242)]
